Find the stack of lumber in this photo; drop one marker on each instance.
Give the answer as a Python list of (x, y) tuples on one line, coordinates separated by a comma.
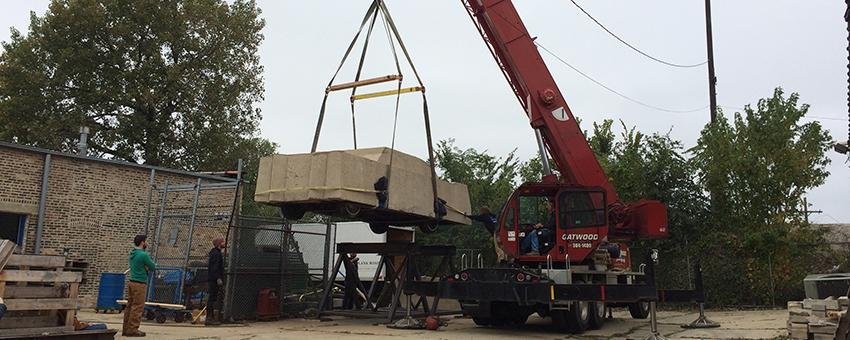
[(40, 296), (815, 318)]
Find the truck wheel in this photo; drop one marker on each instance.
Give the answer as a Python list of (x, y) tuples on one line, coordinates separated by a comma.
[(519, 319), (501, 322), (160, 317), (379, 228), (482, 321), (639, 310), (292, 213), (351, 210), (428, 228), (575, 320), (150, 315), (597, 314), (559, 320)]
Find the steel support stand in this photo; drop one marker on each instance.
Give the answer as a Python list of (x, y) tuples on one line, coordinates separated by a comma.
[(408, 322), (702, 321), (653, 324)]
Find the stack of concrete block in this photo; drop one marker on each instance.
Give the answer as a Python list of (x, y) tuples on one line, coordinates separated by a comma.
[(814, 318)]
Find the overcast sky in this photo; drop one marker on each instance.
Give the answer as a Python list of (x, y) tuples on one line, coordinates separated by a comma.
[(799, 45)]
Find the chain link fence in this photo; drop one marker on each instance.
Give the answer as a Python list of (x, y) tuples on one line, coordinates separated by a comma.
[(186, 218), (269, 257), (735, 278)]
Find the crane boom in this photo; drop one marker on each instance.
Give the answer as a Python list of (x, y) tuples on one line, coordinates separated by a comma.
[(535, 88)]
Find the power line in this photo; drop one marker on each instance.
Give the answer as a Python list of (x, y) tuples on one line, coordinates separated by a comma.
[(807, 116), (585, 75), (830, 216), (826, 118), (632, 46)]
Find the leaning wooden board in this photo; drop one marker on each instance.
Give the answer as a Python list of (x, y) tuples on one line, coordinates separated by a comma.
[(39, 295), (156, 304), (6, 249), (348, 176)]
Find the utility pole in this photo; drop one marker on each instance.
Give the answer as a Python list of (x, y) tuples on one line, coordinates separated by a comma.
[(847, 19), (807, 212), (712, 80)]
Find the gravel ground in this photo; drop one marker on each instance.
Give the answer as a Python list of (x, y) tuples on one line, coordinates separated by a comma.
[(762, 324)]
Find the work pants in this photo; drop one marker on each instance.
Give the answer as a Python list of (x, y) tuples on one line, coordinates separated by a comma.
[(531, 242), (135, 307), (212, 298)]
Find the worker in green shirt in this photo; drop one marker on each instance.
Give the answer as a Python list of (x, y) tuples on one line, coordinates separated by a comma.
[(140, 267)]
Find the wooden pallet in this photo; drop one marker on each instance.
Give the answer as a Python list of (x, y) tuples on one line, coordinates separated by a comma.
[(40, 296)]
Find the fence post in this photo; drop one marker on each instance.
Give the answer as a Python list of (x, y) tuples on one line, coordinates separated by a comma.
[(770, 275), (326, 261), (283, 258)]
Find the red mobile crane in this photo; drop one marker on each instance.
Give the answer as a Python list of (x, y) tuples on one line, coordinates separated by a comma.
[(583, 264), (588, 208)]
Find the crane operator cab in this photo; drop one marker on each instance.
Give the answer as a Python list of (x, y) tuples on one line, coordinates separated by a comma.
[(549, 222)]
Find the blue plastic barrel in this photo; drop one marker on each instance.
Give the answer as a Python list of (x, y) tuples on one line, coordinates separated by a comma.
[(110, 291)]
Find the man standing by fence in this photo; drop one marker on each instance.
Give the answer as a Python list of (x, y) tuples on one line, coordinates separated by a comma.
[(140, 267), (215, 278)]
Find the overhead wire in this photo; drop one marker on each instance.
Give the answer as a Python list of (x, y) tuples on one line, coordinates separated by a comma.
[(606, 87), (641, 52), (807, 116), (599, 83)]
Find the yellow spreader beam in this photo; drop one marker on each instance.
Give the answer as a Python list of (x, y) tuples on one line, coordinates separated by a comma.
[(387, 93)]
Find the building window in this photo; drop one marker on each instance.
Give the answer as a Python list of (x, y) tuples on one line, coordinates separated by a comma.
[(172, 235), (12, 227)]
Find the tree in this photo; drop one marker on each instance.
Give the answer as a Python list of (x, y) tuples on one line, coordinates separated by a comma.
[(757, 167), (167, 83), (490, 181)]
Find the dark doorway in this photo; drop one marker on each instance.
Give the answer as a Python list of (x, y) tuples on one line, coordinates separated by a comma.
[(12, 227)]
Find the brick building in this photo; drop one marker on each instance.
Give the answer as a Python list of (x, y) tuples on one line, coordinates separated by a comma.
[(91, 208)]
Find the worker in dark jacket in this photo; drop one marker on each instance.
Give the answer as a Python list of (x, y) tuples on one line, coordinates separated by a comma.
[(351, 298), (215, 278), (531, 243), (2, 308), (491, 223)]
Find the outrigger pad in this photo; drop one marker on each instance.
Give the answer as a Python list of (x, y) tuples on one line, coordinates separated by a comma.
[(376, 185)]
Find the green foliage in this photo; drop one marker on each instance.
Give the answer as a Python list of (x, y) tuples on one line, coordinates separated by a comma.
[(763, 161), (757, 168), (170, 83), (490, 181), (167, 83), (250, 153)]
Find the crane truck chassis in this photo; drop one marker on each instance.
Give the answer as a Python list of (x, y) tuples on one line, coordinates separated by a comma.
[(576, 298)]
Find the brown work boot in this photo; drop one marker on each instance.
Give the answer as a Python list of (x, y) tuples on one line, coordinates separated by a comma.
[(532, 253), (213, 318)]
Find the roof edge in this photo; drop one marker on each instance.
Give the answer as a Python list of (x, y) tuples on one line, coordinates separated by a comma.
[(113, 161)]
